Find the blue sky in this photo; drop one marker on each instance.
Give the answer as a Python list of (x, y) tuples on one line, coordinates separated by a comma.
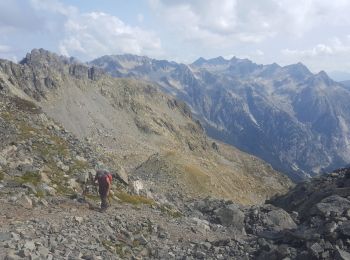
[(315, 32)]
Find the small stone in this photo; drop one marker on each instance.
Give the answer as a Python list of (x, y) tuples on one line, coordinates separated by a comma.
[(29, 245), (15, 236), (316, 249), (330, 227), (345, 228), (44, 202), (141, 239), (43, 251), (347, 214), (80, 158), (342, 255), (4, 236), (11, 255), (44, 174), (25, 202), (78, 219), (325, 255), (200, 255)]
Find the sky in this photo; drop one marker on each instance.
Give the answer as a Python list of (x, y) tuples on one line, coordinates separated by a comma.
[(314, 32)]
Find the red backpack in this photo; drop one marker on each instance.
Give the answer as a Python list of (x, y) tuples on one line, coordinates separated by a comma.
[(103, 176)]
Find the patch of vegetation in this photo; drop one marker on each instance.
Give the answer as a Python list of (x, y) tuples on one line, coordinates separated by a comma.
[(26, 105), (119, 251), (170, 211), (62, 189), (134, 199), (7, 116), (40, 194), (30, 177), (78, 166), (26, 130), (2, 175), (93, 197), (59, 148), (109, 245), (114, 248), (196, 178)]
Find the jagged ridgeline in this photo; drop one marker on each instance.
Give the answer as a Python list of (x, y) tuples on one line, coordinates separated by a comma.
[(293, 119), (123, 123)]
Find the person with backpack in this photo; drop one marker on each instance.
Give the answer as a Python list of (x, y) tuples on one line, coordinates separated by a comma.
[(104, 180)]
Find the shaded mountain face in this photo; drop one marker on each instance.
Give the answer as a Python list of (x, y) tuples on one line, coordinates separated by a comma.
[(293, 119), (128, 124), (346, 83)]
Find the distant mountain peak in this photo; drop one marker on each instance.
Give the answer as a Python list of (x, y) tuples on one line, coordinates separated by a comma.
[(199, 62), (298, 71), (40, 56), (213, 61), (218, 59), (297, 66), (322, 74), (321, 77)]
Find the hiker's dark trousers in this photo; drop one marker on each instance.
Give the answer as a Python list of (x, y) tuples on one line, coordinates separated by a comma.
[(104, 200)]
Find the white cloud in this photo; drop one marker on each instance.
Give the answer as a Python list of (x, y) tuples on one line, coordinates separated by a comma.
[(89, 35), (333, 55), (59, 27), (245, 21), (249, 21), (5, 48), (319, 49), (335, 47)]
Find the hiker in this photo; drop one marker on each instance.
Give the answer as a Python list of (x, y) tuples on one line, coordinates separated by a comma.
[(104, 180)]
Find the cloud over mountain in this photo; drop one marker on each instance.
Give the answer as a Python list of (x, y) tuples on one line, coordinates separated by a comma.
[(74, 33)]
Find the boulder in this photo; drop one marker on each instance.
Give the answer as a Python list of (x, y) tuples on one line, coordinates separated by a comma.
[(231, 216), (73, 184), (279, 219), (334, 203), (202, 225), (62, 166), (83, 177), (344, 228), (122, 175), (47, 189), (137, 186), (342, 255)]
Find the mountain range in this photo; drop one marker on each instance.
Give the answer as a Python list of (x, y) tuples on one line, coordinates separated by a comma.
[(294, 119)]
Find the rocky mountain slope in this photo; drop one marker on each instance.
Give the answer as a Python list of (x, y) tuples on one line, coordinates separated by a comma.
[(346, 83), (44, 169), (130, 125), (291, 118), (56, 227)]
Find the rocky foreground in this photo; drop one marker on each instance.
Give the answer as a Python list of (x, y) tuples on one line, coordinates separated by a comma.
[(137, 228)]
